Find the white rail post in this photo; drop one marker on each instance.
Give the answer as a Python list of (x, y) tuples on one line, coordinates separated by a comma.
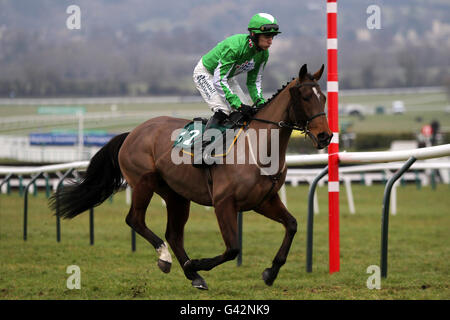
[(348, 189)]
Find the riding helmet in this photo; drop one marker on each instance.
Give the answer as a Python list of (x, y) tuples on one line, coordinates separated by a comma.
[(263, 23)]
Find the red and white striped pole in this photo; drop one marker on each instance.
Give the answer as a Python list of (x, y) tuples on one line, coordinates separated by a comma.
[(333, 148)]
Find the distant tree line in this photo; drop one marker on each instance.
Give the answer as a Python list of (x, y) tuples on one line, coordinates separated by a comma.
[(141, 54)]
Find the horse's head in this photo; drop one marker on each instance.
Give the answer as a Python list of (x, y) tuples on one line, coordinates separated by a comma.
[(308, 105)]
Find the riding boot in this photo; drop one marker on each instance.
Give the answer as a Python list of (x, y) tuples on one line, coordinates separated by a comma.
[(217, 118)]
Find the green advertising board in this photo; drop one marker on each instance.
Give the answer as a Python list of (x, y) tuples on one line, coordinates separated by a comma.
[(61, 110)]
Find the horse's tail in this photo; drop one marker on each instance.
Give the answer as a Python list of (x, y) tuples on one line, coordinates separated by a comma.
[(102, 179)]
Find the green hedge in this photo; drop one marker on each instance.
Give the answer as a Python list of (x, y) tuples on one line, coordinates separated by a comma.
[(379, 141), (300, 145)]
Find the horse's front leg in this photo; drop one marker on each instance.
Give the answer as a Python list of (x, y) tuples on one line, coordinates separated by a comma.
[(274, 209), (177, 216), (226, 214)]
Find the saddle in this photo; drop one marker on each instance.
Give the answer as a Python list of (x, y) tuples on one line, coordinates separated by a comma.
[(233, 121), (193, 131)]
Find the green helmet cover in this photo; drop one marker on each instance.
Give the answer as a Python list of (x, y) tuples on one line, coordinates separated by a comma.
[(263, 23)]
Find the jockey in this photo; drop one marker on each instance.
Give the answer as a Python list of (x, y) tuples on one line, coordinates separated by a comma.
[(214, 73)]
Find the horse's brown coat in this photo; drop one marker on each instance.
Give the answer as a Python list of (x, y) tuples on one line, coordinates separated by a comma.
[(145, 162)]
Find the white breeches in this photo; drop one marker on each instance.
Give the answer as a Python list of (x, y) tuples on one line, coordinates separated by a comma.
[(204, 81)]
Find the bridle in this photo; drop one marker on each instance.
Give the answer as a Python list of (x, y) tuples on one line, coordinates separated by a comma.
[(292, 126), (296, 126)]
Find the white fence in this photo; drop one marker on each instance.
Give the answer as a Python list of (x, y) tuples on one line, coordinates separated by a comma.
[(372, 157), (367, 173), (347, 174), (370, 173), (19, 148)]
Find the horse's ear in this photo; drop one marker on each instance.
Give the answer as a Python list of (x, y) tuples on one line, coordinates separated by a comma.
[(303, 72), (318, 74)]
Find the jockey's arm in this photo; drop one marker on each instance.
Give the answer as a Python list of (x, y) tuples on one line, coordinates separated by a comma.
[(226, 63), (254, 82)]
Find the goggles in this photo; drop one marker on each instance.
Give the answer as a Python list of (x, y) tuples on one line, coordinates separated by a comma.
[(267, 28)]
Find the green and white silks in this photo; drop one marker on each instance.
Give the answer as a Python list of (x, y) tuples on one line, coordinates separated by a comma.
[(234, 55)]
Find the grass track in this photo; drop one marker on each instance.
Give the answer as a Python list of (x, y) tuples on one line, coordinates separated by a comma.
[(419, 254), (427, 106)]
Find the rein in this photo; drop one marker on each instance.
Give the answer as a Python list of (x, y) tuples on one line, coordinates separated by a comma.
[(292, 126)]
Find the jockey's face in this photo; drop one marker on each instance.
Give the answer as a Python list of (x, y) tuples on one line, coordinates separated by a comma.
[(265, 41)]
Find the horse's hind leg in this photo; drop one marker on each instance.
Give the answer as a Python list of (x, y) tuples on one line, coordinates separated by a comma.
[(177, 216), (142, 194), (275, 210)]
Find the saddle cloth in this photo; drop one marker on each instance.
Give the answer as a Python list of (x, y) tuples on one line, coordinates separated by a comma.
[(193, 131)]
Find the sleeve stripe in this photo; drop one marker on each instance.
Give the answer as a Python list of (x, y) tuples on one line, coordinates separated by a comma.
[(221, 83), (259, 80)]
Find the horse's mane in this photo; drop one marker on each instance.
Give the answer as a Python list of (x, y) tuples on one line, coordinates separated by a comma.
[(309, 76), (278, 92)]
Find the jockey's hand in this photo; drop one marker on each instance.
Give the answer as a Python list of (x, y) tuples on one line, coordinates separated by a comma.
[(260, 102), (246, 111)]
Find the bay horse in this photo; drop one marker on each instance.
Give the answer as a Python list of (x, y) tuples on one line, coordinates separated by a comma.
[(143, 158)]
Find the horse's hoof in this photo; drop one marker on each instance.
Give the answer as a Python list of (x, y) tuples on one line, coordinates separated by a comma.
[(267, 277), (199, 283), (164, 266)]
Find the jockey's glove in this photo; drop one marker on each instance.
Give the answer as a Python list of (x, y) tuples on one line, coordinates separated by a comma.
[(246, 110), (260, 102)]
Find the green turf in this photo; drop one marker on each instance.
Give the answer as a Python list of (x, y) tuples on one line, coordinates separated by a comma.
[(419, 254), (26, 110)]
